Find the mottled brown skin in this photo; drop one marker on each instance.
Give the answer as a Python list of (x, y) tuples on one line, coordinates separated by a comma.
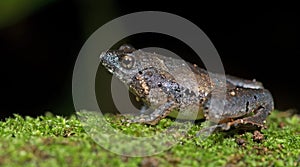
[(166, 84)]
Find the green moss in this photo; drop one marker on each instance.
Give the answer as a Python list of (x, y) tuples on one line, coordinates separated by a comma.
[(56, 141)]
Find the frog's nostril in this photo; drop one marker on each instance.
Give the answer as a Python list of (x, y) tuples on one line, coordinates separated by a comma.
[(102, 56)]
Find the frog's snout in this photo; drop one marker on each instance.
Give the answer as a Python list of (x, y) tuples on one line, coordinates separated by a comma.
[(103, 58), (109, 60)]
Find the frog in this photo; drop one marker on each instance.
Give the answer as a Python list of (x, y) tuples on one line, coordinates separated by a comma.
[(151, 78)]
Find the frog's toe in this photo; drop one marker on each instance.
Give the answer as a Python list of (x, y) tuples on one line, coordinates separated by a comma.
[(155, 116), (146, 119), (212, 129), (242, 125)]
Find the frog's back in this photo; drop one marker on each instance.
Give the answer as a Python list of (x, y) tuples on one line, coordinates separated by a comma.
[(185, 74)]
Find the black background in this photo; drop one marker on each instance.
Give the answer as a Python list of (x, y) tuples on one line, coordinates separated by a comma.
[(38, 52)]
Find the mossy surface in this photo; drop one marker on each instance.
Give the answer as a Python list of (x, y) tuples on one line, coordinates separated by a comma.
[(57, 141)]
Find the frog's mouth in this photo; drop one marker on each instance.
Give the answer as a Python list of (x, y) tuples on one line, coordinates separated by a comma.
[(108, 60)]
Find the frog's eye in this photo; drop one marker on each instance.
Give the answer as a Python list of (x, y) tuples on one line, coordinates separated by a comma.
[(127, 61), (127, 48)]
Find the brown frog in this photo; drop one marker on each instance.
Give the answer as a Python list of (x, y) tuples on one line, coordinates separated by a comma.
[(176, 88)]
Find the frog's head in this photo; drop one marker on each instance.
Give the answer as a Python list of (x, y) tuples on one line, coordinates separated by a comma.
[(121, 62)]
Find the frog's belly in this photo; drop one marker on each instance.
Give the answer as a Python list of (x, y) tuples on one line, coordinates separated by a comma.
[(187, 115)]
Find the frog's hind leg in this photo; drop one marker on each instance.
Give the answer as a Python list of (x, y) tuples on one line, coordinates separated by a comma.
[(261, 107), (158, 114), (244, 109)]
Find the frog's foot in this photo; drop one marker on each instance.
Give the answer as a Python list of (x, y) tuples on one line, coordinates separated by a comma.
[(254, 122), (239, 124), (155, 116)]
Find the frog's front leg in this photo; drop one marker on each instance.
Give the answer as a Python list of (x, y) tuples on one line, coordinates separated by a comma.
[(158, 114), (158, 90), (243, 109)]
